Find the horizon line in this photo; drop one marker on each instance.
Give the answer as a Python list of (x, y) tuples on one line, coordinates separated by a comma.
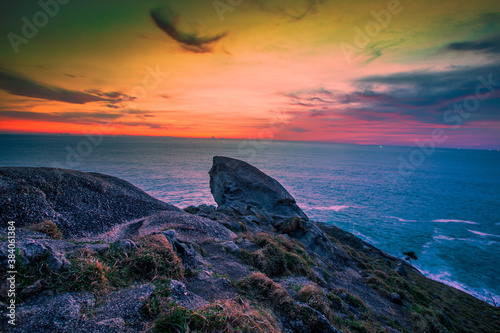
[(237, 139)]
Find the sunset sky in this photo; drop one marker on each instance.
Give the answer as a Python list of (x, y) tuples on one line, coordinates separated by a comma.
[(365, 72)]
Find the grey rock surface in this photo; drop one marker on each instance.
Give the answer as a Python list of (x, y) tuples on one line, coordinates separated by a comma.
[(401, 270), (121, 306), (230, 247), (80, 204), (240, 187), (188, 227), (184, 297), (47, 313)]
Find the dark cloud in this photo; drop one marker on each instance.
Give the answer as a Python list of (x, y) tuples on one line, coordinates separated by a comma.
[(83, 118), (420, 96), (145, 124), (425, 95), (62, 117), (19, 85), (298, 130), (489, 45), (167, 21)]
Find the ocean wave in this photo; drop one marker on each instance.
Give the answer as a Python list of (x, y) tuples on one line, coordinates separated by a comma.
[(454, 221), (400, 219), (482, 243), (334, 207), (443, 237), (479, 233), (446, 278)]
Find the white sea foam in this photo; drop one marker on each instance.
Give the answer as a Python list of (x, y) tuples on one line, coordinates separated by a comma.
[(400, 219), (482, 243), (482, 233), (446, 278), (443, 237), (333, 207), (454, 221)]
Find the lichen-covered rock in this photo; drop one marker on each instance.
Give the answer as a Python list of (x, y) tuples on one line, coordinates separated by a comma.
[(80, 204), (240, 187), (47, 313)]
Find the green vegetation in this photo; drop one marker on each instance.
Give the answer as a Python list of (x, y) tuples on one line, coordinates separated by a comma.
[(430, 306), (224, 316), (278, 256), (410, 255), (315, 297), (154, 260)]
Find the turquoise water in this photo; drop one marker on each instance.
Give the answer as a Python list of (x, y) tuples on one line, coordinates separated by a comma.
[(447, 210)]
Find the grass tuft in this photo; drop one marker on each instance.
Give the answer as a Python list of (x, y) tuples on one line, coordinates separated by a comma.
[(278, 256), (47, 227), (224, 316)]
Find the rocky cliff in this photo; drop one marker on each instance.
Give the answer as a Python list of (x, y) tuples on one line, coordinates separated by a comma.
[(126, 262)]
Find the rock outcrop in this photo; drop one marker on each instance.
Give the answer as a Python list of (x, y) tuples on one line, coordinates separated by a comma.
[(240, 187), (253, 265), (80, 204), (243, 190)]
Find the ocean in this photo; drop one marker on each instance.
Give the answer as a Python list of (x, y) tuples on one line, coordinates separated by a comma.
[(444, 204)]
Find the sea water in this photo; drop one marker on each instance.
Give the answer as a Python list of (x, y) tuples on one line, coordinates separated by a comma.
[(444, 204)]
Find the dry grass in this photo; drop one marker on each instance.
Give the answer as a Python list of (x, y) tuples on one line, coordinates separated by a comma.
[(88, 273), (47, 227), (315, 297), (224, 316), (260, 287), (278, 256), (153, 260), (291, 225)]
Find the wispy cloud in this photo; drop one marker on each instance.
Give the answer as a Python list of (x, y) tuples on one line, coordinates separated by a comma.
[(297, 10), (17, 84), (63, 117), (167, 21)]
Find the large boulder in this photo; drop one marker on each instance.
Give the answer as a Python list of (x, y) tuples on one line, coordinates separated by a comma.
[(242, 188), (80, 204)]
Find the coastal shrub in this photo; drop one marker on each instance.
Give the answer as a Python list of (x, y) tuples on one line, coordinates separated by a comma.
[(291, 225), (315, 297), (223, 316), (154, 259), (47, 227), (410, 255), (259, 287), (279, 255)]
